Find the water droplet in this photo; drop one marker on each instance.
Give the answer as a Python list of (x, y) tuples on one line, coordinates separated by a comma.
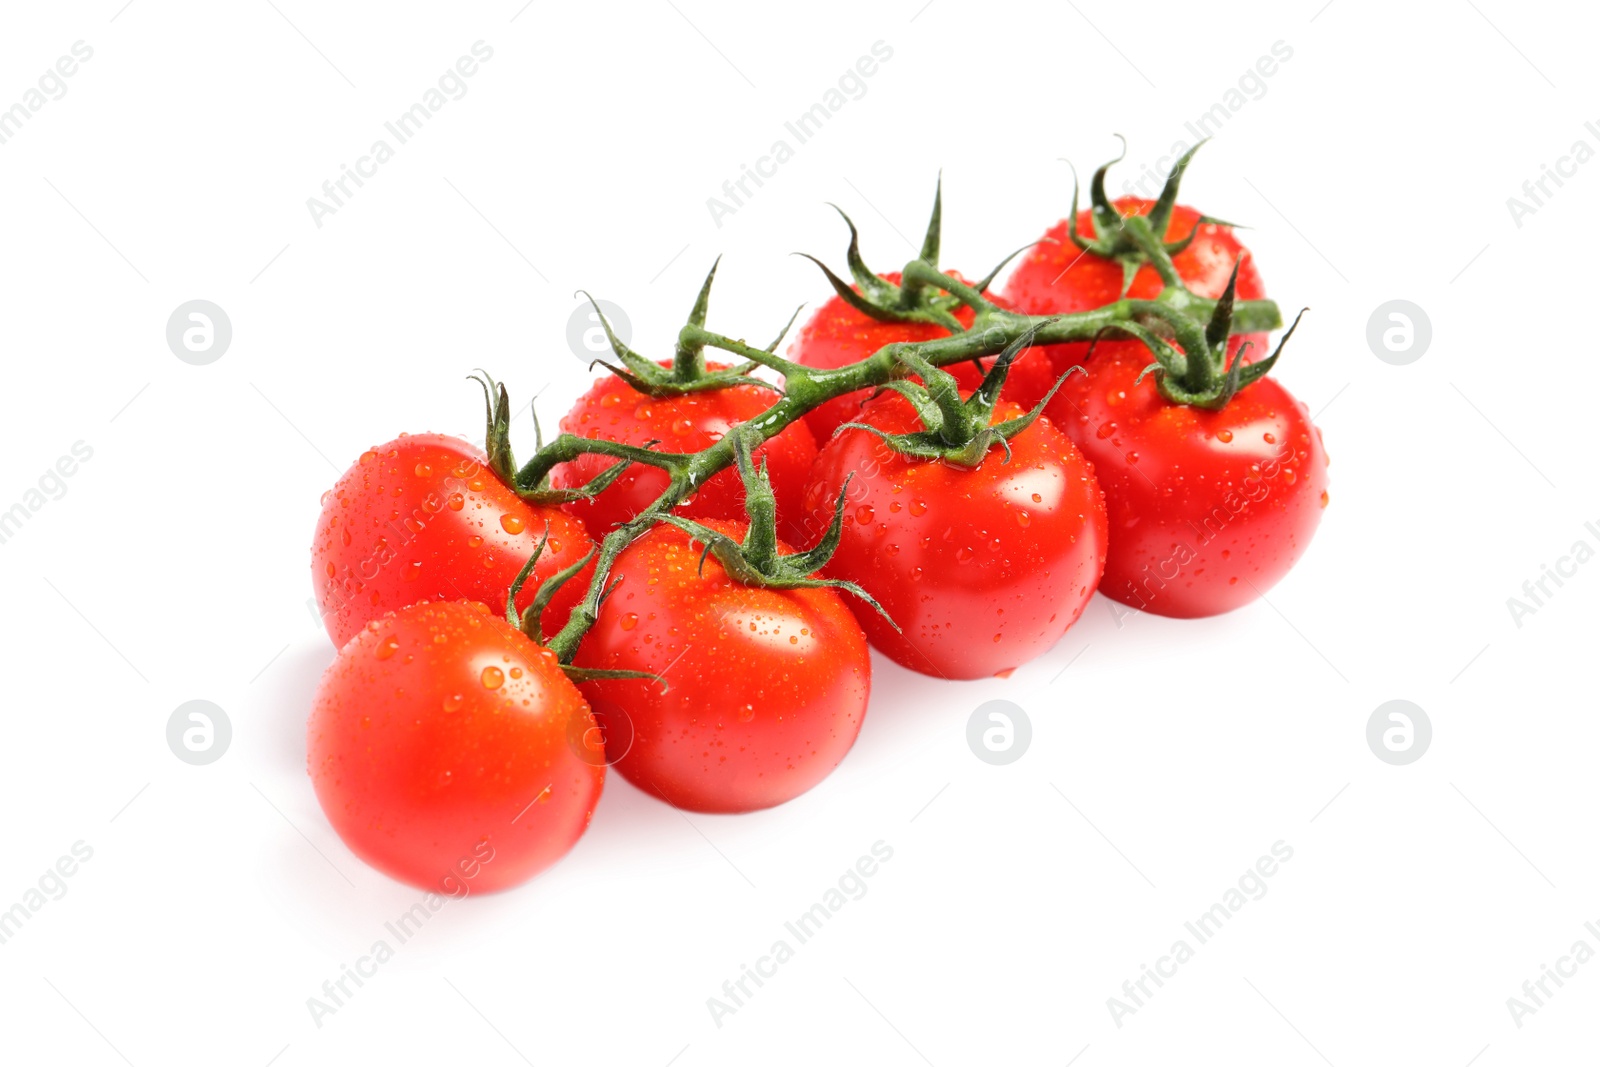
[(411, 571), (1269, 439), (864, 514), (492, 677), (1106, 430), (1324, 498), (918, 507), (455, 502), (1225, 436), (747, 713), (386, 648), (453, 702), (423, 470), (367, 457), (1023, 519), (629, 621), (474, 541), (511, 524)]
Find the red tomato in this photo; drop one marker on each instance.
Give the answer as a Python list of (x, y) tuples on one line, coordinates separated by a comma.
[(838, 335), (768, 687), (445, 748), (612, 411), (1208, 509), (982, 567), (1056, 277), (424, 518)]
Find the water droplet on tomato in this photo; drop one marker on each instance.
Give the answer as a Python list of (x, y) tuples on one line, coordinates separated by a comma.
[(367, 457), (492, 677), (511, 524), (1324, 498), (918, 507), (747, 713), (474, 541), (629, 621), (1269, 439), (1023, 519), (1106, 430), (455, 501), (422, 470), (453, 703), (386, 648), (1225, 436), (864, 514)]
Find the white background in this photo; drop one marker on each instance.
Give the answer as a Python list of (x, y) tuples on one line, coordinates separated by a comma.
[(1165, 760)]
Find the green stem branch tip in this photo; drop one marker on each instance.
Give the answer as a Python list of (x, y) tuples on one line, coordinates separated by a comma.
[(1187, 335)]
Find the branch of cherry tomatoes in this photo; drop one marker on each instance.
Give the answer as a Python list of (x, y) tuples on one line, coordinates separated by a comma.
[(683, 584)]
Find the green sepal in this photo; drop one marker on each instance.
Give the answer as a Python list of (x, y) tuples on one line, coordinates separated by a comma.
[(956, 430), (686, 372), (756, 560), (497, 427)]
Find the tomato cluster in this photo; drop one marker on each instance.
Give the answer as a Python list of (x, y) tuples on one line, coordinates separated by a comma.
[(504, 638)]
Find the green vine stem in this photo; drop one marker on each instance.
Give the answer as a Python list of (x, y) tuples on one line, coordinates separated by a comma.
[(1176, 313)]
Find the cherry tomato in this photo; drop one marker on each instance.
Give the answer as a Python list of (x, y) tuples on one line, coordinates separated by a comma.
[(982, 567), (768, 687), (424, 518), (613, 411), (837, 335), (446, 750), (1055, 277), (1208, 509)]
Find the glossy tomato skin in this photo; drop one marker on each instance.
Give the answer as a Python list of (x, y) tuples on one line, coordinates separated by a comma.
[(983, 568), (447, 750), (424, 518), (837, 335), (1055, 277), (1208, 509), (768, 687), (613, 411)]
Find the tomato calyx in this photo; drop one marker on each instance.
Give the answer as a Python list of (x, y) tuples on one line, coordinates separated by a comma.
[(756, 560), (1135, 240), (687, 372), (1200, 375), (914, 299), (956, 429), (503, 464), (528, 621)]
